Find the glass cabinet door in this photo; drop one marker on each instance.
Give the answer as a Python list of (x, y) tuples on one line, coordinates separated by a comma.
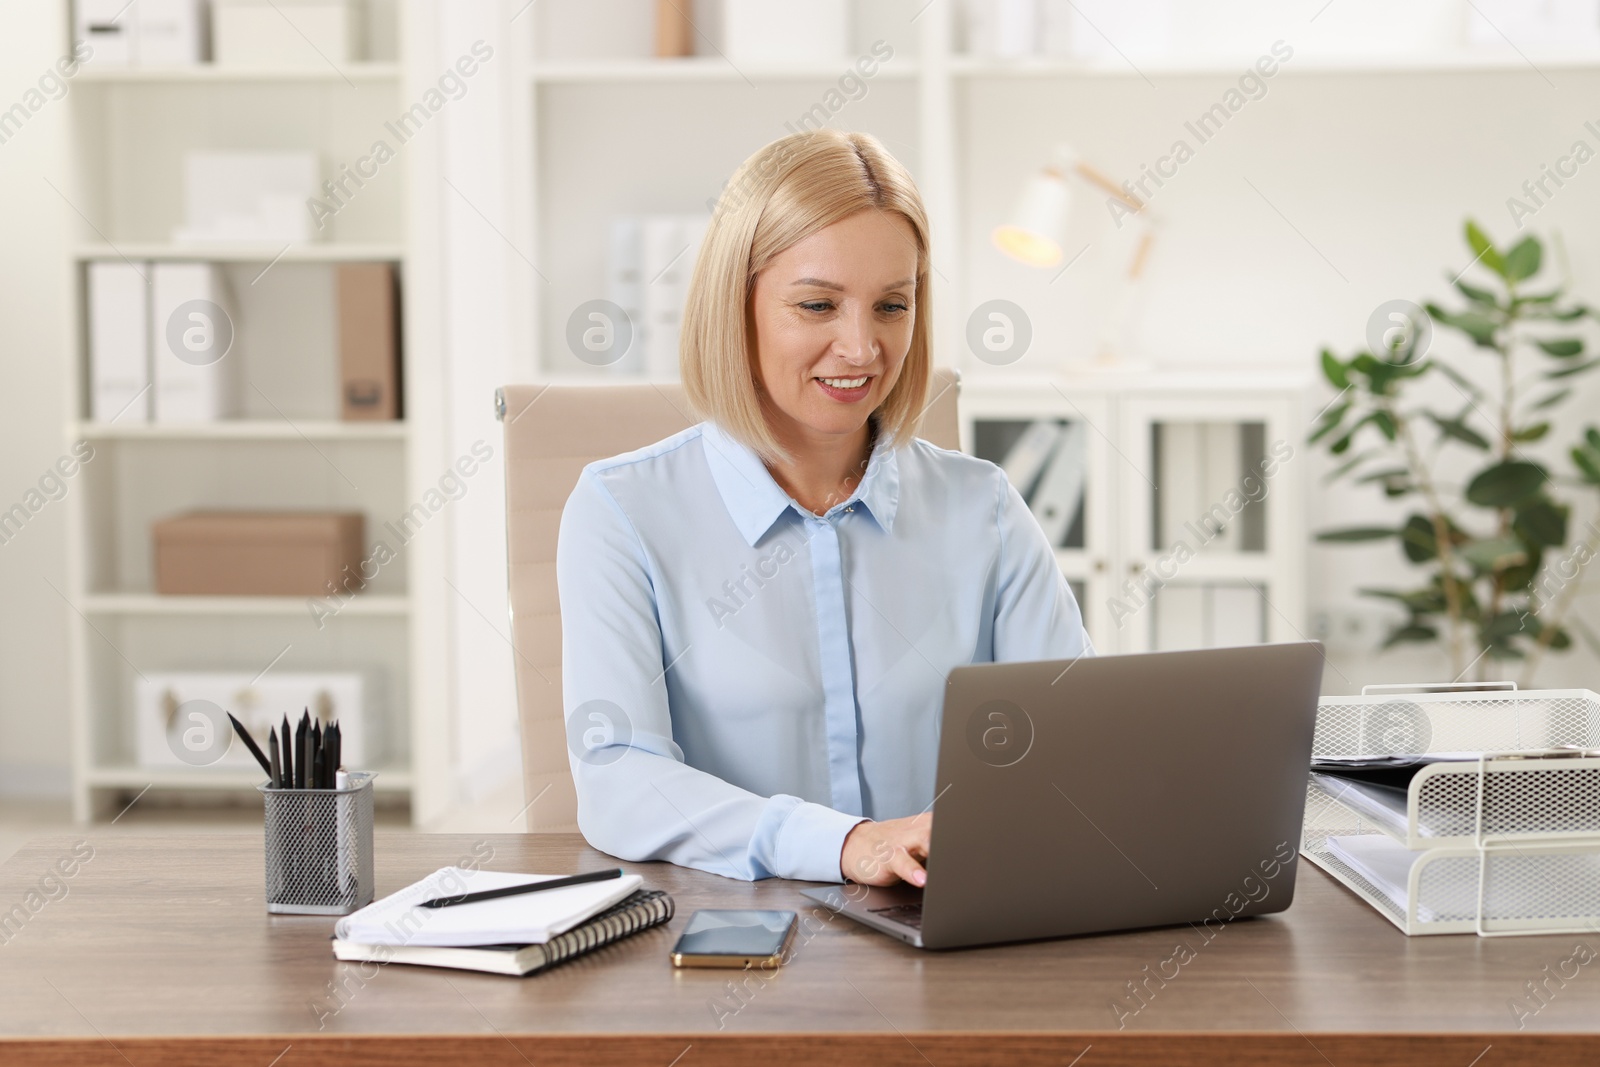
[(1052, 449), (1207, 522)]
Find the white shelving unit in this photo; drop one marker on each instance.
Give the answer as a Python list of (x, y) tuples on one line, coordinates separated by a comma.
[(130, 128)]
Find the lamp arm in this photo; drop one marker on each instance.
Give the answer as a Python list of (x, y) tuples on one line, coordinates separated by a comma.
[(1100, 180)]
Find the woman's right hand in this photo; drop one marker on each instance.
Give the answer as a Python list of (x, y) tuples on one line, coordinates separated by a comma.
[(883, 853)]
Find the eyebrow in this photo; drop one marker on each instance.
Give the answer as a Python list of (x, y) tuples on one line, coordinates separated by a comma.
[(821, 284)]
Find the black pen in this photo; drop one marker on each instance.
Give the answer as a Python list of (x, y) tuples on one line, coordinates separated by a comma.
[(250, 743), (515, 890)]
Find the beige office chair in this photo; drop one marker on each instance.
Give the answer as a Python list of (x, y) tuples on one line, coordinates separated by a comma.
[(551, 432)]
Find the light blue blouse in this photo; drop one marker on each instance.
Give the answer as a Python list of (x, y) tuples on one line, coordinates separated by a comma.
[(744, 680)]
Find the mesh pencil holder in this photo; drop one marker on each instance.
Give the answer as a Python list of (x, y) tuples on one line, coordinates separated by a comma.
[(319, 848)]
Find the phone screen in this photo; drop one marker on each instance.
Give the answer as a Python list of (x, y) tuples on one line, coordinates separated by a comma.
[(735, 933)]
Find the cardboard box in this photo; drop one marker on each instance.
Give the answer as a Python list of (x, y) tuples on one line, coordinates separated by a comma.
[(260, 702), (258, 553), (285, 33), (148, 33), (109, 33), (171, 32), (369, 348), (760, 31), (242, 197)]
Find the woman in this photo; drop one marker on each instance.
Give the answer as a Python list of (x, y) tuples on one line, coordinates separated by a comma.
[(759, 613)]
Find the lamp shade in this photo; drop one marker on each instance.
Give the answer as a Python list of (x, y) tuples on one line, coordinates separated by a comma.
[(1032, 233)]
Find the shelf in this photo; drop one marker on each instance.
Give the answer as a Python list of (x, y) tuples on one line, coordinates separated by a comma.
[(332, 252), (197, 778), (156, 604), (211, 74), (704, 69), (1209, 567), (241, 430), (1178, 66)]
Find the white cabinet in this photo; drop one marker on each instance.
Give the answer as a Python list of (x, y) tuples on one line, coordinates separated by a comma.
[(1175, 501)]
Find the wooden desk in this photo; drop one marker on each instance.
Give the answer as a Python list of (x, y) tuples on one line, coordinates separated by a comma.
[(161, 951)]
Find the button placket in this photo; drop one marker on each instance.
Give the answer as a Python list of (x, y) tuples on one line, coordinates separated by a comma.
[(838, 675)]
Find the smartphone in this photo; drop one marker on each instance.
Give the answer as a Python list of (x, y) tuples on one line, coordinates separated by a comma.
[(735, 938)]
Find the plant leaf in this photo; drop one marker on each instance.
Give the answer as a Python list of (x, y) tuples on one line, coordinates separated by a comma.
[(1571, 369), (1348, 465), (1561, 347), (1476, 295), (1494, 553), (1460, 431), (1552, 400), (1475, 324), (1330, 422), (1506, 484), (1531, 433), (1483, 249), (1506, 624), (1411, 632), (1334, 371), (1542, 522), (1351, 534), (1524, 258), (1587, 460), (1456, 376), (1417, 539)]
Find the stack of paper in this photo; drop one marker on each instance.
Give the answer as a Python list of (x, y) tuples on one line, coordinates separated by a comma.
[(524, 919), (1382, 804), (1384, 862)]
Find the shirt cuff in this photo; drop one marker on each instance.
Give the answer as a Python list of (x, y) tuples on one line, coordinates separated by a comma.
[(809, 843)]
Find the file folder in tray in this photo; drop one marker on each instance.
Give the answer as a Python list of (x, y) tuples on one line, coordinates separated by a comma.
[(1508, 841)]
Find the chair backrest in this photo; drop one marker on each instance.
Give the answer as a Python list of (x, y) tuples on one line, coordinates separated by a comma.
[(551, 432)]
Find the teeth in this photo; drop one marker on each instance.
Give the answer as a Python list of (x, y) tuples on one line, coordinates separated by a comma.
[(844, 383)]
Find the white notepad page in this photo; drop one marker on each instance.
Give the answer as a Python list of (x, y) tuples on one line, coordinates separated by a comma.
[(524, 919)]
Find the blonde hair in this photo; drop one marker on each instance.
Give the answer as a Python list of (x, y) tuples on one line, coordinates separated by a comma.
[(784, 193)]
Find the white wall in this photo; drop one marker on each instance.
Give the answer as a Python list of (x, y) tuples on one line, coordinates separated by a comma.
[(33, 299)]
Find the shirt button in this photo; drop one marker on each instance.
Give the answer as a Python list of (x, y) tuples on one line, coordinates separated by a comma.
[(850, 508)]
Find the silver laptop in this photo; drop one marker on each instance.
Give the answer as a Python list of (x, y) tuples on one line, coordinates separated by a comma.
[(1109, 793)]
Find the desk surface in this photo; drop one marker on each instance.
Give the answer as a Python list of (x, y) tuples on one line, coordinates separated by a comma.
[(160, 949)]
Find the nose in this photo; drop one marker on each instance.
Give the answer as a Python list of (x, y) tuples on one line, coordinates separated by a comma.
[(857, 342)]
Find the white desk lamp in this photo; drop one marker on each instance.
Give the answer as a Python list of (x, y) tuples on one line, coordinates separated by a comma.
[(1032, 234)]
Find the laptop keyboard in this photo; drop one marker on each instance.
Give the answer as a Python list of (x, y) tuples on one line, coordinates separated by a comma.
[(904, 914)]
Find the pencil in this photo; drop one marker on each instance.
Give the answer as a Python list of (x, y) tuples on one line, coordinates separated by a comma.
[(250, 743)]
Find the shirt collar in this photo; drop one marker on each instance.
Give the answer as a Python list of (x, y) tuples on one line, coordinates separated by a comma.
[(755, 501)]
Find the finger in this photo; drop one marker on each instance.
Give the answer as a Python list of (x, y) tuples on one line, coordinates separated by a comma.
[(908, 868), (917, 838)]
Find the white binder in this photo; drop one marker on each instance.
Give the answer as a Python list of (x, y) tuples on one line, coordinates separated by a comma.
[(119, 341)]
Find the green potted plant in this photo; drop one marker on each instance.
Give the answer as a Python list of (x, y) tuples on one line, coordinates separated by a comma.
[(1497, 573)]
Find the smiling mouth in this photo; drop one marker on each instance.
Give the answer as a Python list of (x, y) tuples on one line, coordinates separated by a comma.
[(847, 383)]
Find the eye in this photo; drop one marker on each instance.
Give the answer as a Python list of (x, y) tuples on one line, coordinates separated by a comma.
[(817, 305), (894, 307)]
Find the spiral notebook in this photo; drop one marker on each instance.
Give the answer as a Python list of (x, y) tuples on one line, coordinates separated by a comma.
[(524, 919), (640, 911)]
